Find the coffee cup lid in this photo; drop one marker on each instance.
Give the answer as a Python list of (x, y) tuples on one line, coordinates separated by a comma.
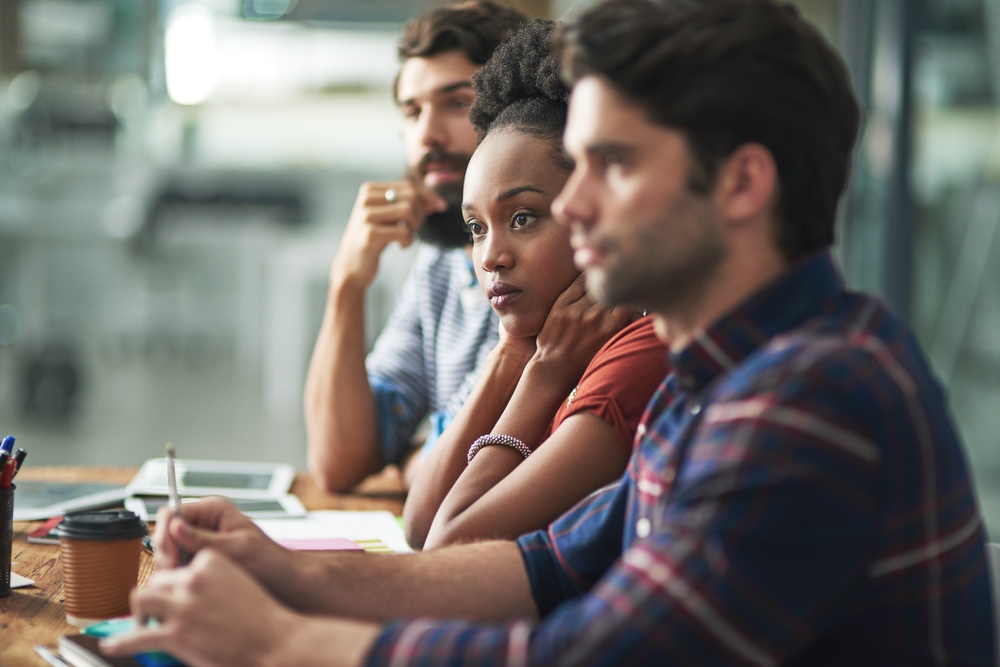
[(109, 525)]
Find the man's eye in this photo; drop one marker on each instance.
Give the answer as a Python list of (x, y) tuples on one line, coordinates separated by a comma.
[(460, 105), (612, 158), (411, 112)]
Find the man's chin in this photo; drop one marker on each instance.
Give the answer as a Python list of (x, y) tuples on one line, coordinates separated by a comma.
[(445, 230)]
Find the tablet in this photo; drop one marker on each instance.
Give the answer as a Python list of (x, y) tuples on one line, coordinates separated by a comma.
[(283, 507), (36, 499), (232, 479)]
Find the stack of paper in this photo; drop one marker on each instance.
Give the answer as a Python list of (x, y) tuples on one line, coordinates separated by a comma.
[(362, 528)]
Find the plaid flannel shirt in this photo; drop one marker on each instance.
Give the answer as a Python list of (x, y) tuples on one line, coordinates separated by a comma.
[(798, 496)]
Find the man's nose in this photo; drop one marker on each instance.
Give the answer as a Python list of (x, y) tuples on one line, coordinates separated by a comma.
[(433, 130), (573, 206)]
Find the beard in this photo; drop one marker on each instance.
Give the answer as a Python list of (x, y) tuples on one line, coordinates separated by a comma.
[(666, 264), (447, 228)]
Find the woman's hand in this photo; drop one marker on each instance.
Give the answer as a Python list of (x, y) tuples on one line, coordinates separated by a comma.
[(575, 329), (518, 349)]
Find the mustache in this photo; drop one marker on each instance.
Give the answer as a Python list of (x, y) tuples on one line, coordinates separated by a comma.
[(456, 160)]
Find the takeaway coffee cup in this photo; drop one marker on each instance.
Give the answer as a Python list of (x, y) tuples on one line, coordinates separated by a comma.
[(100, 563)]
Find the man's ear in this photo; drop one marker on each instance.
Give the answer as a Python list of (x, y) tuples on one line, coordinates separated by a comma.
[(747, 184)]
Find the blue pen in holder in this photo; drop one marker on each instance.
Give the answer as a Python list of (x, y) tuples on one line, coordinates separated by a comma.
[(6, 537)]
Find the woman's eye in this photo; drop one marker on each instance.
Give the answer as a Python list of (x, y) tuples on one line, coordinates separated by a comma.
[(524, 219), (474, 228)]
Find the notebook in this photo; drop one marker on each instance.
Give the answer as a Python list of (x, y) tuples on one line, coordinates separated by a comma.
[(83, 651)]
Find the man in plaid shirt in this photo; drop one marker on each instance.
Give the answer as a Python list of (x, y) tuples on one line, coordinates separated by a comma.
[(798, 495)]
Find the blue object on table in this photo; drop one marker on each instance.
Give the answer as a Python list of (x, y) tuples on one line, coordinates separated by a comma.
[(121, 626)]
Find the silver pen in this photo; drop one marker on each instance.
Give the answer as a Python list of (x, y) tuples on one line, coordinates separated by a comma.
[(175, 498), (50, 657)]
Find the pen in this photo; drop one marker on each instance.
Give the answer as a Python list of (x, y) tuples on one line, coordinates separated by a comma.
[(7, 473), (19, 459), (7, 445), (51, 658), (175, 498)]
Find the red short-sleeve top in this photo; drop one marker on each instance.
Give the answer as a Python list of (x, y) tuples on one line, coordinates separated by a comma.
[(620, 380)]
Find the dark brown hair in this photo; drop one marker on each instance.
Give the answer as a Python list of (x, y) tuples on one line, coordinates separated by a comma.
[(475, 28), (726, 73)]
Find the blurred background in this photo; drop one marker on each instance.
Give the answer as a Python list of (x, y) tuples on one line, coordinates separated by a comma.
[(175, 175)]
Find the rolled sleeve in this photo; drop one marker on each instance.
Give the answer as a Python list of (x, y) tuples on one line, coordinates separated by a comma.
[(396, 418), (569, 557)]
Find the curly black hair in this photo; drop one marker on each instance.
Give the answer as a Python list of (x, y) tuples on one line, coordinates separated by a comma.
[(520, 86)]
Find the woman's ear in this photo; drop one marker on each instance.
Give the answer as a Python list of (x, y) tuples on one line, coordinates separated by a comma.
[(747, 185)]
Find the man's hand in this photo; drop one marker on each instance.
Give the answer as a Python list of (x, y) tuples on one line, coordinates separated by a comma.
[(383, 213), (209, 613), (213, 614), (575, 329), (216, 523)]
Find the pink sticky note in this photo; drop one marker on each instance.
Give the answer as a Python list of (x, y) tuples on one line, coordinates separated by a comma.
[(324, 544)]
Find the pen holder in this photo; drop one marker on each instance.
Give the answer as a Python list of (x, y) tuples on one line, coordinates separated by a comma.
[(6, 537)]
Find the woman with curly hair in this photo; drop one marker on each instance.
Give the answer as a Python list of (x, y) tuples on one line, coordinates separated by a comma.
[(575, 413)]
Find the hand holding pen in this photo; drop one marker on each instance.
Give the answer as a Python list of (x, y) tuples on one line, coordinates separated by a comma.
[(175, 499)]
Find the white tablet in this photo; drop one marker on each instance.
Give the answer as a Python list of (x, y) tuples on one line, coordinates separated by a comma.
[(36, 499), (232, 479), (283, 507)]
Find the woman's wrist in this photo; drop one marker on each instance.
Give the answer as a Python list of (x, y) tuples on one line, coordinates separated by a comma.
[(551, 372), (514, 352)]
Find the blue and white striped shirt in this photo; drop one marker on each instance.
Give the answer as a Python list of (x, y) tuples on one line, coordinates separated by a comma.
[(429, 355)]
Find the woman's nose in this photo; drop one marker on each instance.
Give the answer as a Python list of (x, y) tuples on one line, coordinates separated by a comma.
[(496, 252)]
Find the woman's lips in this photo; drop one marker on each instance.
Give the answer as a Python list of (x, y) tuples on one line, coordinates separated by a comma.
[(501, 294)]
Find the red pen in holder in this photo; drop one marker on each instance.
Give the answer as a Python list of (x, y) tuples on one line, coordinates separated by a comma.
[(7, 473)]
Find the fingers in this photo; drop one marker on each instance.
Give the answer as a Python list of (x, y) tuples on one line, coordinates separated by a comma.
[(431, 201), (405, 202), (577, 290), (210, 513), (393, 213), (166, 555), (188, 538), (142, 640), (202, 525), (374, 194)]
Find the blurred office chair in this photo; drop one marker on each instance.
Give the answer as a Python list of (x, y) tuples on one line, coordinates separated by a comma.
[(993, 555)]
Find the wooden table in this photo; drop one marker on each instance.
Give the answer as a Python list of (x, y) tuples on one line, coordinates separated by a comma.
[(35, 615)]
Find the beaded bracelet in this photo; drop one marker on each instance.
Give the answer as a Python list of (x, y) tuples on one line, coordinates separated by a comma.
[(506, 440)]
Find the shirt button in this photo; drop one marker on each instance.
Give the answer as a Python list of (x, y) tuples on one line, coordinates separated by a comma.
[(641, 429), (643, 527), (695, 409)]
